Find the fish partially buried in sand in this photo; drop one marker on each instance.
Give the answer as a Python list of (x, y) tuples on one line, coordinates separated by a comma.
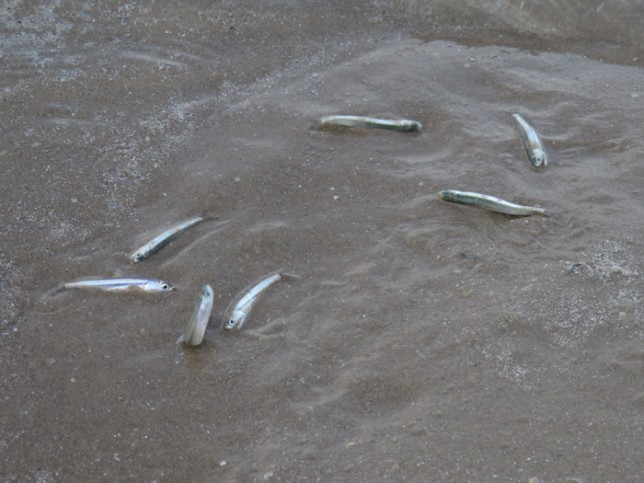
[(122, 284), (238, 310), (488, 202), (158, 242), (196, 327), (401, 125), (531, 142)]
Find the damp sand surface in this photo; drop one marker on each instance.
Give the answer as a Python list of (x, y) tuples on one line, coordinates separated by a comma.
[(424, 341)]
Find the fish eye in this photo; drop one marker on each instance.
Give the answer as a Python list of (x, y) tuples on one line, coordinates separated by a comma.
[(165, 286), (231, 322)]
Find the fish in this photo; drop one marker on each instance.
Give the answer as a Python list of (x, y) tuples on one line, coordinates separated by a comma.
[(196, 327), (122, 284), (158, 242), (402, 125), (238, 310), (531, 142), (488, 202)]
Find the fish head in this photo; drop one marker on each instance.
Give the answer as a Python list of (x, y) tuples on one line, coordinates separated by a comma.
[(158, 286), (539, 157), (207, 292), (137, 256), (447, 195), (235, 320)]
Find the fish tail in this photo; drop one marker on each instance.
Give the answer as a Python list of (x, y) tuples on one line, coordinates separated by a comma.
[(207, 216), (289, 276)]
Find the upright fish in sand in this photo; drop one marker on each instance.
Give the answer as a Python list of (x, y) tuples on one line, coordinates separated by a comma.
[(531, 142), (196, 327)]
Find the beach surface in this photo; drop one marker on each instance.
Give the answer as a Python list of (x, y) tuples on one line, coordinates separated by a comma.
[(422, 341)]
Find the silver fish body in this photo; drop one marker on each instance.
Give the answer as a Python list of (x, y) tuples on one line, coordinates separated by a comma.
[(531, 142), (122, 284), (158, 242), (402, 125), (196, 327), (488, 202), (238, 311)]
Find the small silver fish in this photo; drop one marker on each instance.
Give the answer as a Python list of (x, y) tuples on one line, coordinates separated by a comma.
[(531, 142), (488, 202), (196, 327), (123, 284), (238, 310), (166, 237), (402, 125)]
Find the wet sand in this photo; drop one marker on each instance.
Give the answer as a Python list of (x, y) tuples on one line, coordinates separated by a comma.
[(425, 341)]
